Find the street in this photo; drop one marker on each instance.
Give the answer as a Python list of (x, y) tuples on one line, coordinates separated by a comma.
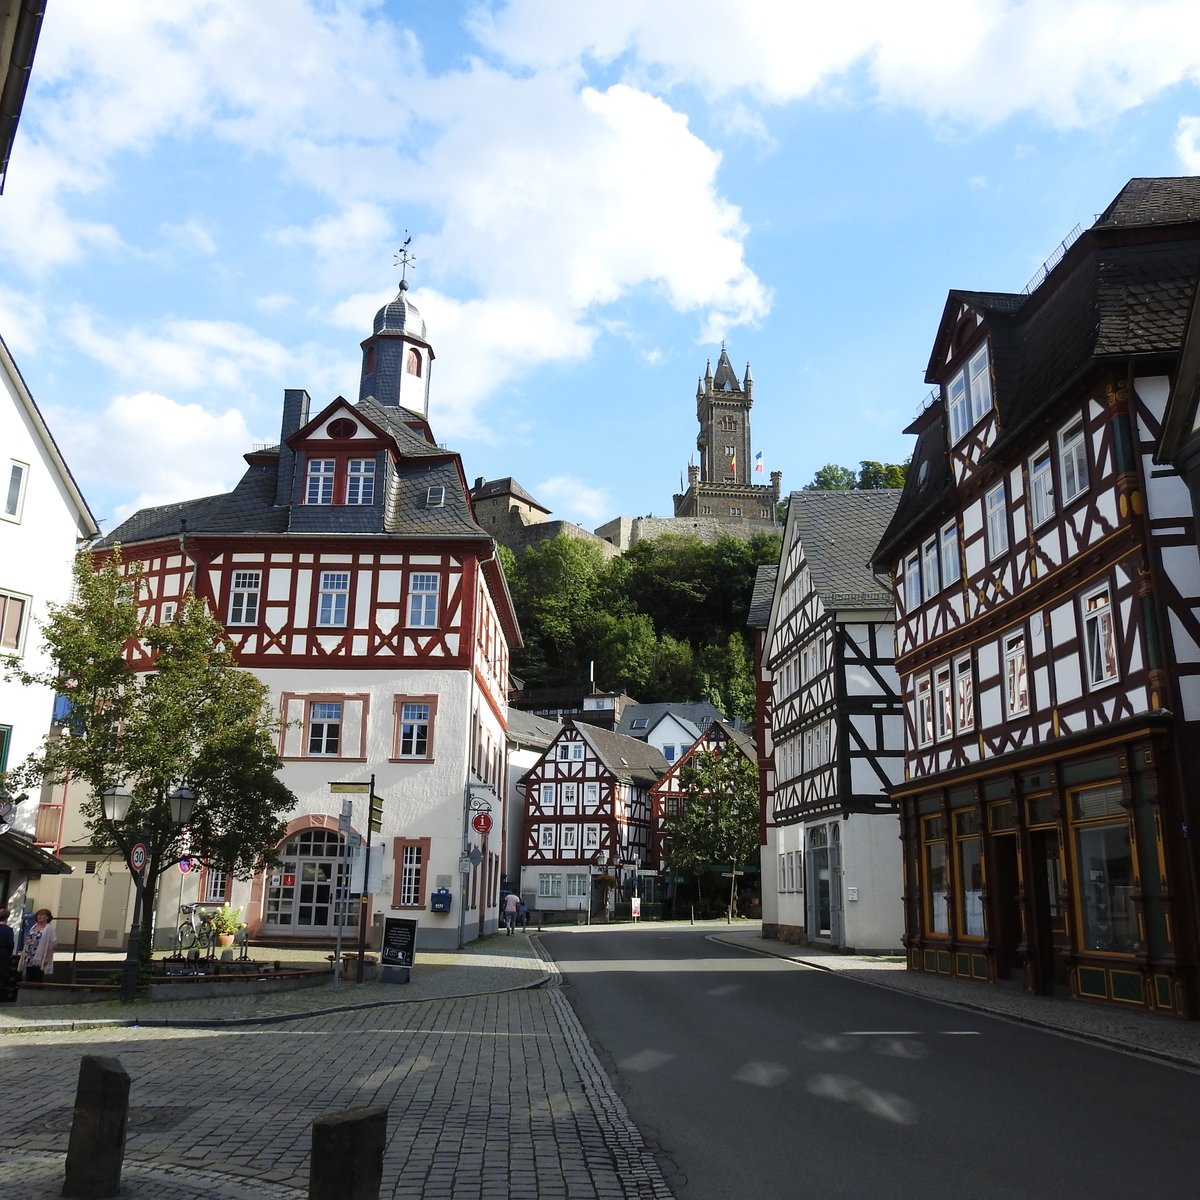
[(755, 1076)]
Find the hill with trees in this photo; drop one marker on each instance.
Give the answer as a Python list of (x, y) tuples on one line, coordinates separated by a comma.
[(664, 621)]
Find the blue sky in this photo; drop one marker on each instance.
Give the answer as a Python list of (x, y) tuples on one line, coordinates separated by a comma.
[(206, 197)]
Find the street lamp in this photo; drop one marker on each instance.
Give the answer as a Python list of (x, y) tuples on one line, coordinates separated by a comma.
[(115, 802)]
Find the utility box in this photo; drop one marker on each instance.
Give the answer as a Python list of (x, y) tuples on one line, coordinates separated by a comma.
[(439, 900)]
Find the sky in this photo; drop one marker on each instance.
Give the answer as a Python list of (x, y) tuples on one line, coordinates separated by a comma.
[(206, 199)]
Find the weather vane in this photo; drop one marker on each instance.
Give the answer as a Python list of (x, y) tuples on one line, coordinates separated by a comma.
[(404, 260)]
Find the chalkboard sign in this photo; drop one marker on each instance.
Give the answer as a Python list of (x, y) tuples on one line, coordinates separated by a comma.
[(399, 941)]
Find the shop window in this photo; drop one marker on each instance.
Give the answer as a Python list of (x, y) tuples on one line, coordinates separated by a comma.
[(1105, 865), (937, 880), (969, 862)]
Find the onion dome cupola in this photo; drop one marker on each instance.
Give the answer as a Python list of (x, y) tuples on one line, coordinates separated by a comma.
[(397, 357)]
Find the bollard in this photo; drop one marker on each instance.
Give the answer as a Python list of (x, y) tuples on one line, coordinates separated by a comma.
[(96, 1150), (347, 1155)]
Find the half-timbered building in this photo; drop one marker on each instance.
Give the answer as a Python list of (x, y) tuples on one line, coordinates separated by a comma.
[(1047, 582), (587, 812), (833, 741), (352, 578), (668, 797)]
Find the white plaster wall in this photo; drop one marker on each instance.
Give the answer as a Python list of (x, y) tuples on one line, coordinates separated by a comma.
[(872, 862)]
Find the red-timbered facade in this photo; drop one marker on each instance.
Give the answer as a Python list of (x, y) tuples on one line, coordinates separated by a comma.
[(1048, 586), (587, 812), (351, 576)]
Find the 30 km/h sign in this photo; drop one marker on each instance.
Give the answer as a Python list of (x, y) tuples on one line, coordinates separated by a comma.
[(137, 856), (481, 823)]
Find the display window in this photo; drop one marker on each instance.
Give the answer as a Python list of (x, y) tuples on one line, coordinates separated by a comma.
[(1102, 838)]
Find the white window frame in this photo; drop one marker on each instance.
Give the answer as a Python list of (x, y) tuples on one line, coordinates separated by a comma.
[(319, 475), (964, 694), (423, 599), (1072, 460), (579, 885), (327, 717), (948, 554), (1016, 674), (547, 795), (550, 886), (415, 738), (333, 598), (924, 710), (912, 582), (216, 886), (995, 506), (14, 490), (930, 585), (969, 395), (980, 372), (1041, 487), (958, 406), (360, 481), (943, 703), (13, 630), (1099, 637), (245, 592), (546, 837)]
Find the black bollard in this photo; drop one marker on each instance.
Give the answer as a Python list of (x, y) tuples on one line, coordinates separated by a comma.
[(96, 1150), (347, 1155)]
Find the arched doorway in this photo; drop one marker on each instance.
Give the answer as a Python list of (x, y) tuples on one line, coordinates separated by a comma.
[(304, 889)]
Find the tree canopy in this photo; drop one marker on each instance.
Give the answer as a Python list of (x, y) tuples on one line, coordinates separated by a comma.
[(870, 475), (194, 719), (719, 818), (665, 621)]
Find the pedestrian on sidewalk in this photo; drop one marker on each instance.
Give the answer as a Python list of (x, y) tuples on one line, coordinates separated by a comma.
[(512, 902), (523, 915), (37, 958), (8, 974)]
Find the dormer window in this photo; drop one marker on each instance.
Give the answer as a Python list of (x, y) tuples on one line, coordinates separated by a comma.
[(360, 481), (969, 394), (319, 489), (435, 497)]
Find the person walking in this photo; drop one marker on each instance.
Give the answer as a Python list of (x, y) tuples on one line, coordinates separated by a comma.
[(38, 956), (8, 974), (512, 902)]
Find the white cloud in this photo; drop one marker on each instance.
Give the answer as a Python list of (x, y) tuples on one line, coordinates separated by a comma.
[(569, 499), (1187, 143), (190, 237), (1071, 62), (22, 323), (173, 451)]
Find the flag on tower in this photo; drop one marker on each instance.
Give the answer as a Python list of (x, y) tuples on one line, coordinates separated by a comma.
[(733, 465), (758, 463)]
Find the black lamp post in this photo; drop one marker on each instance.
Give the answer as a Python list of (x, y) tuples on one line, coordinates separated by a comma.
[(114, 804)]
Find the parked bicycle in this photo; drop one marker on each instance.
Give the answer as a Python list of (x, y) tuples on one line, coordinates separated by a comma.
[(197, 929)]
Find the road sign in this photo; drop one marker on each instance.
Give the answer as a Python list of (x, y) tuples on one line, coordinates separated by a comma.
[(355, 789), (375, 819), (185, 865), (481, 823), (137, 856), (464, 863)]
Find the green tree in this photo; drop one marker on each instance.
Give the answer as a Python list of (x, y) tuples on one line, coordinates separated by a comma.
[(873, 475), (194, 719), (719, 817), (725, 676), (832, 478)]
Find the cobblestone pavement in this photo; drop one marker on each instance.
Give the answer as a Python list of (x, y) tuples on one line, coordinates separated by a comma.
[(491, 1096)]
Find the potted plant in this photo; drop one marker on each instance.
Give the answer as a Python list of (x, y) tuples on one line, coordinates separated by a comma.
[(225, 923)]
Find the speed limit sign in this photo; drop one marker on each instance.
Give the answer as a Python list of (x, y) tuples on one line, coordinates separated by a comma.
[(137, 856)]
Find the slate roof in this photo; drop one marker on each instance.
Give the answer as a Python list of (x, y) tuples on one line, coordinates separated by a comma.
[(762, 597), (693, 714), (839, 531), (627, 758), (493, 488), (250, 507), (530, 730), (1124, 290)]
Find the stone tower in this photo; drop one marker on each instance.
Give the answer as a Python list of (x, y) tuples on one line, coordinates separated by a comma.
[(720, 484)]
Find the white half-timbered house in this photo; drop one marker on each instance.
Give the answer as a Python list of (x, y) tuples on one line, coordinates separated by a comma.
[(1048, 586), (352, 578), (833, 743), (670, 726), (587, 812)]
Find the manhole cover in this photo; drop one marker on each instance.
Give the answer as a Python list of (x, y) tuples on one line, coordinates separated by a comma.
[(60, 1120)]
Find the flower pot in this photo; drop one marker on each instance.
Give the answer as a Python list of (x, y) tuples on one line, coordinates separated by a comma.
[(225, 939)]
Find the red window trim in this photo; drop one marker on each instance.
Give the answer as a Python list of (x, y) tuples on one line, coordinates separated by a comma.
[(398, 702)]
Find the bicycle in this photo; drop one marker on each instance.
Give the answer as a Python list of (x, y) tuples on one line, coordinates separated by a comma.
[(197, 929)]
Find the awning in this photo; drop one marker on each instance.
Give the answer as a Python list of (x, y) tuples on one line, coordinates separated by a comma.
[(18, 850)]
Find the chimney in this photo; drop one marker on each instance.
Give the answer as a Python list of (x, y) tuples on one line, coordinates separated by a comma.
[(295, 415)]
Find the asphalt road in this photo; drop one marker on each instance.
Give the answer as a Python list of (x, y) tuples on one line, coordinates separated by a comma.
[(753, 1076)]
